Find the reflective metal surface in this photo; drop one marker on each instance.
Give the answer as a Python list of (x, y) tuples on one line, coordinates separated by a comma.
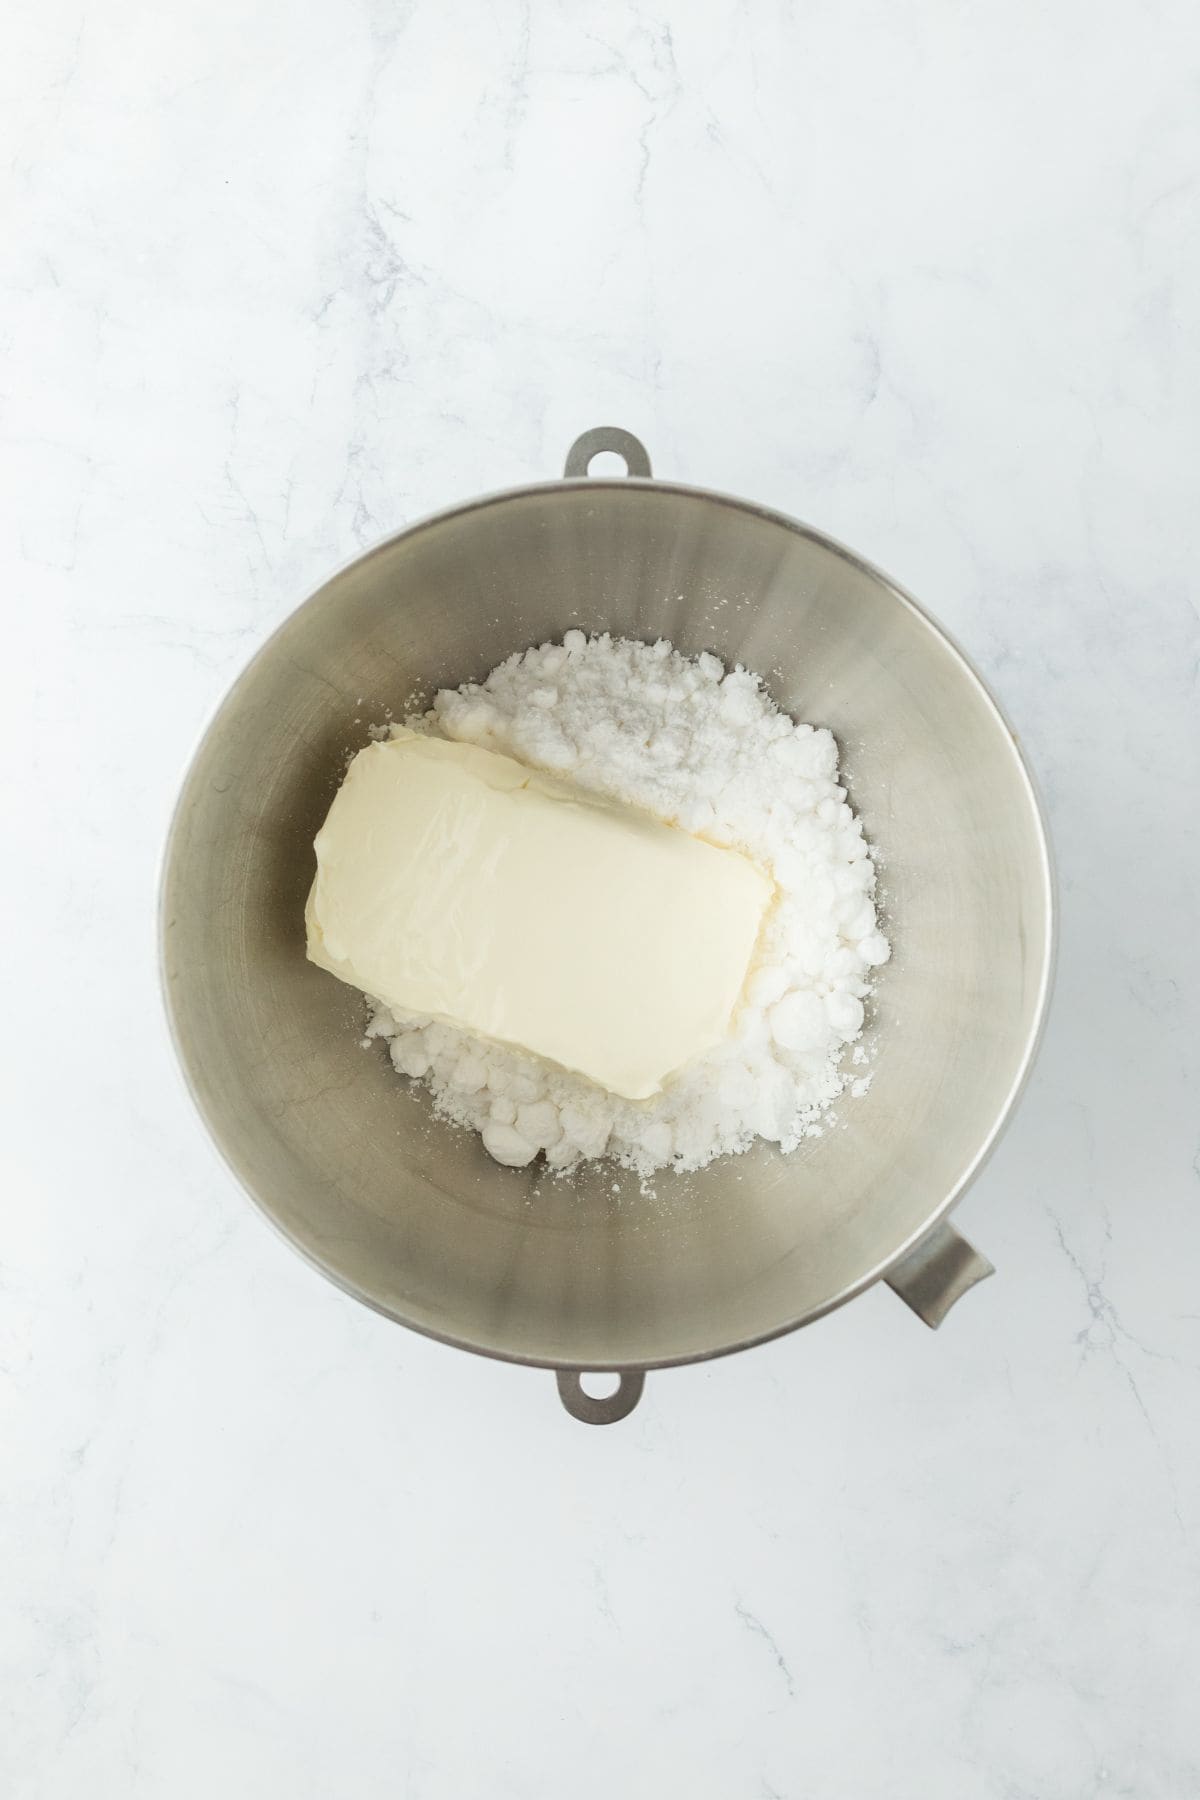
[(600, 1409), (412, 1216), (937, 1273)]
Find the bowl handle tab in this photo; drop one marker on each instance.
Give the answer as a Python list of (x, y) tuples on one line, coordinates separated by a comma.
[(606, 1411), (937, 1273), (608, 437)]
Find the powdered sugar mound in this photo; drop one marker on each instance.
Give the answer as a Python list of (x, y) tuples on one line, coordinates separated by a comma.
[(707, 749)]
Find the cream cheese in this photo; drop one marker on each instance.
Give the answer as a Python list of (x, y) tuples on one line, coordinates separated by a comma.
[(455, 882)]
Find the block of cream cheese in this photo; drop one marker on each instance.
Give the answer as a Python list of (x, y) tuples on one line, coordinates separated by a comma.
[(455, 882)]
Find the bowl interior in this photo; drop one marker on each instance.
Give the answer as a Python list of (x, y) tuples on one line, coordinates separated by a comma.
[(412, 1215)]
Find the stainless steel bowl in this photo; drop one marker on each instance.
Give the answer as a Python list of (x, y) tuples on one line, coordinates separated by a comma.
[(411, 1215)]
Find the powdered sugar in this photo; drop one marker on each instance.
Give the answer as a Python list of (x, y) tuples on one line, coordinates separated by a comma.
[(708, 750)]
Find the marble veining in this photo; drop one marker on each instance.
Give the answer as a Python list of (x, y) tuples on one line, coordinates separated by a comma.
[(276, 281)]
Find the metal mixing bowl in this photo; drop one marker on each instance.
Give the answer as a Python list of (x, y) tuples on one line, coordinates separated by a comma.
[(410, 1214)]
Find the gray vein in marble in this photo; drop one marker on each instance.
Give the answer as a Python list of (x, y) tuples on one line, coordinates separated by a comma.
[(756, 1626), (1105, 1332), (517, 102), (603, 1596)]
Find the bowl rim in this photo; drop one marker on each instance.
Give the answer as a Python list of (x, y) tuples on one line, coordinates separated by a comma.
[(1049, 948)]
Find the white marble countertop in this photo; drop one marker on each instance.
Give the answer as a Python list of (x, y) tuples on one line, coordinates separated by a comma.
[(277, 279)]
